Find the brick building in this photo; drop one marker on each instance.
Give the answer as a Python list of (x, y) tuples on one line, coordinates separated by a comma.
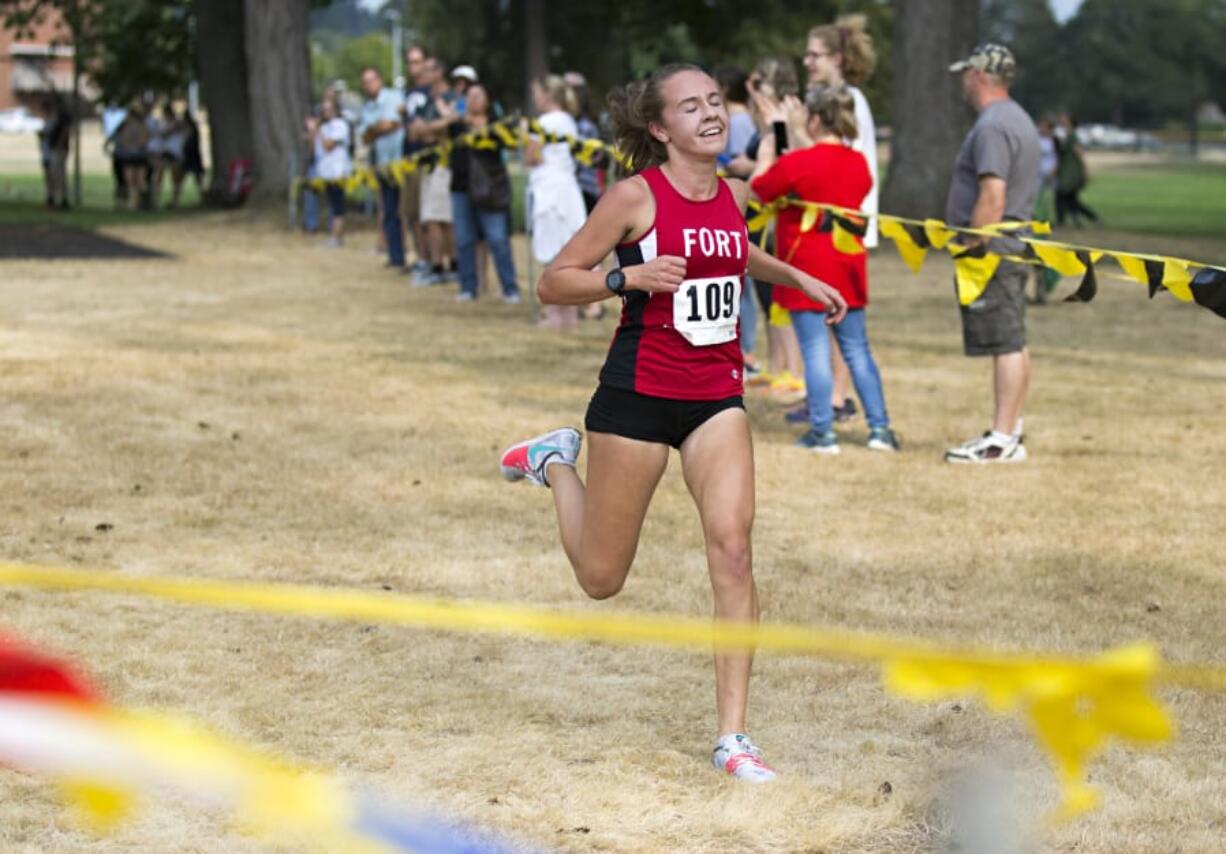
[(34, 63)]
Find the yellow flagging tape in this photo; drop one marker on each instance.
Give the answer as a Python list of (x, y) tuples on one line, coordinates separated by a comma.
[(1074, 705)]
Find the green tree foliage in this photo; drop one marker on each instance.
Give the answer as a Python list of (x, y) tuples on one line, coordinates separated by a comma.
[(615, 42), (1139, 63), (125, 47)]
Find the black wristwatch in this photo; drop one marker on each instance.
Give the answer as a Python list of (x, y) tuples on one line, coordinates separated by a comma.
[(616, 281)]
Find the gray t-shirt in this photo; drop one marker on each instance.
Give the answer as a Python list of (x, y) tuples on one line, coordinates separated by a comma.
[(1004, 142)]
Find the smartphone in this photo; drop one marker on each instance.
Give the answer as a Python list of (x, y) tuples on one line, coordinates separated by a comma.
[(781, 137)]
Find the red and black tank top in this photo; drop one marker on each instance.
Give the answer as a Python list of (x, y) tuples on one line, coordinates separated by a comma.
[(650, 355)]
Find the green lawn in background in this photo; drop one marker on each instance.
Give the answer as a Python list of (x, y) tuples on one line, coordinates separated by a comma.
[(1177, 199), (22, 200), (1170, 198)]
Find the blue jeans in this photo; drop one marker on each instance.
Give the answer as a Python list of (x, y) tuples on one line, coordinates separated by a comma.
[(749, 316), (852, 334), (389, 194), (471, 224), (310, 211)]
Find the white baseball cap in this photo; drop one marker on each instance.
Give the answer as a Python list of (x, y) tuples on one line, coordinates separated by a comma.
[(464, 72)]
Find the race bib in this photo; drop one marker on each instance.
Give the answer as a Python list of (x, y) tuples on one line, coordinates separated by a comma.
[(706, 311)]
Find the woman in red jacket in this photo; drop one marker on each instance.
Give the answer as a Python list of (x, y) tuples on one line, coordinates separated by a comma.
[(832, 172)]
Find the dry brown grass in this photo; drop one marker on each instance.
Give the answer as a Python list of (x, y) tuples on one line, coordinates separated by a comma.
[(256, 408)]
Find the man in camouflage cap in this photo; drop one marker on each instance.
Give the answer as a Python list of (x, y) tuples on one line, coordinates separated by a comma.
[(996, 178)]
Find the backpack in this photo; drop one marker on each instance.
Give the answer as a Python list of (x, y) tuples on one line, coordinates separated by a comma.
[(489, 185)]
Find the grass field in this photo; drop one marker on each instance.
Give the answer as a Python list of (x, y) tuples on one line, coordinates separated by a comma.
[(1162, 199), (256, 408)]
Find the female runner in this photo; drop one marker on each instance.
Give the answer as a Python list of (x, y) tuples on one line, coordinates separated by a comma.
[(673, 376)]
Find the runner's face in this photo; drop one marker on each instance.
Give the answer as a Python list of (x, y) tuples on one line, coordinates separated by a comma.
[(695, 117), (822, 64)]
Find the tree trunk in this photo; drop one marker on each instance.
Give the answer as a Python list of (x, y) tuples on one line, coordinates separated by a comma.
[(930, 116), (536, 53), (223, 79), (279, 84)]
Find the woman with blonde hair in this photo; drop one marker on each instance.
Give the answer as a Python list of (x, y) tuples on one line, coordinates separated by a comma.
[(841, 54), (555, 202)]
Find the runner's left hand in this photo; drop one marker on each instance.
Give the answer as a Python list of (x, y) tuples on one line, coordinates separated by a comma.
[(818, 291)]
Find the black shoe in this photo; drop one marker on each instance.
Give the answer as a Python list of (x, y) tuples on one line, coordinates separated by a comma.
[(846, 412)]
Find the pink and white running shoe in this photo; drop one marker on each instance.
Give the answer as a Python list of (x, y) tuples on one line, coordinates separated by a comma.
[(736, 755), (528, 460)]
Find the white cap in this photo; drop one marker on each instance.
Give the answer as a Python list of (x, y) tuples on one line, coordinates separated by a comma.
[(465, 72)]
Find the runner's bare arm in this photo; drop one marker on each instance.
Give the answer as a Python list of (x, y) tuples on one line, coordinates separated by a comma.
[(625, 212), (768, 268)]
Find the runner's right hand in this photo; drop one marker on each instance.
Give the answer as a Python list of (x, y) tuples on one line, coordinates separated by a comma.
[(662, 274)]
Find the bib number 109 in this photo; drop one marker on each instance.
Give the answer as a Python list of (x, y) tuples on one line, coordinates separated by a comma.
[(706, 311)]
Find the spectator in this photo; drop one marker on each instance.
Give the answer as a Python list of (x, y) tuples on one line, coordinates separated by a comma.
[(193, 161), (829, 171), (591, 176), (430, 127), (996, 176), (416, 100), (54, 141), (481, 201), (132, 150), (174, 152), (555, 201), (462, 78), (1071, 175), (332, 165), (382, 130), (837, 54), (741, 131), (112, 118), (310, 198), (772, 86), (156, 151)]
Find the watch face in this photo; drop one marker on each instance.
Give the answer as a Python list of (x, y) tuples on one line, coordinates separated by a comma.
[(616, 280)]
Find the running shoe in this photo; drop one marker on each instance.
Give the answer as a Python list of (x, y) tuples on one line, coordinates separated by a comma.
[(819, 443), (988, 449), (846, 412), (529, 460), (738, 757), (883, 439), (787, 388), (762, 379)]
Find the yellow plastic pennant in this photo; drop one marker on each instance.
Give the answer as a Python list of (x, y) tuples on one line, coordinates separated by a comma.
[(972, 274), (809, 218), (939, 234), (845, 241), (913, 254), (1074, 705), (1177, 279), (1063, 261)]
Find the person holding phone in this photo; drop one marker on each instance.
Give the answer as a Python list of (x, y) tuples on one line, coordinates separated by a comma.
[(672, 377), (831, 172)]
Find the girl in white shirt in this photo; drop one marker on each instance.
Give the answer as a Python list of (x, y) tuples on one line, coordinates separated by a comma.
[(555, 202), (332, 164)]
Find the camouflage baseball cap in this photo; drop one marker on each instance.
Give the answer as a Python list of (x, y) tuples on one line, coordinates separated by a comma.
[(992, 58)]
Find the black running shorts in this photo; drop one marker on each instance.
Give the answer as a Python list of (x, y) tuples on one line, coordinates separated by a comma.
[(651, 419)]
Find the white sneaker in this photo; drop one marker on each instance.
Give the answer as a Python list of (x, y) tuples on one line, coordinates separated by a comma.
[(738, 757), (528, 460), (988, 449)]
